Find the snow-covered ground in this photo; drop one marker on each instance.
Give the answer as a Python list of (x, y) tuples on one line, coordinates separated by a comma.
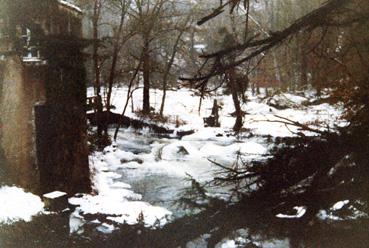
[(183, 104), (18, 205)]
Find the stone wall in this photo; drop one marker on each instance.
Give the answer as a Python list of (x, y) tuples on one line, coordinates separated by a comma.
[(19, 92)]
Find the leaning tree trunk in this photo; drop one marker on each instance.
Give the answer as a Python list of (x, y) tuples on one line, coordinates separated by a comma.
[(129, 95), (167, 71)]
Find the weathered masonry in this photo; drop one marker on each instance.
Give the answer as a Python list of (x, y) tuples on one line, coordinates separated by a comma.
[(42, 96)]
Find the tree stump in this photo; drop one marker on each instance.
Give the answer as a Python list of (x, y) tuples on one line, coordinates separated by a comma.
[(213, 119)]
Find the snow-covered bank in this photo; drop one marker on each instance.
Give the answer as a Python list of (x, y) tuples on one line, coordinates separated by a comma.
[(18, 205), (116, 200), (260, 116)]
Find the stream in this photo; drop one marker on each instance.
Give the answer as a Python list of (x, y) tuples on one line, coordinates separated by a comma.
[(171, 163), (157, 170)]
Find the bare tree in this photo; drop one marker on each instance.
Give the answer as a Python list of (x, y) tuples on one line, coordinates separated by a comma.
[(97, 6), (118, 42), (181, 28), (147, 17)]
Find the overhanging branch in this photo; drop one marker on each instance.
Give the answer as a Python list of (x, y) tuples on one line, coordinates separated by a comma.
[(310, 21)]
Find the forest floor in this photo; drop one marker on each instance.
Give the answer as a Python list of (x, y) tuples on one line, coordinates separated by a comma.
[(141, 178)]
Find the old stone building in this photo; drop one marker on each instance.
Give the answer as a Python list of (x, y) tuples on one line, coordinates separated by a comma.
[(42, 96)]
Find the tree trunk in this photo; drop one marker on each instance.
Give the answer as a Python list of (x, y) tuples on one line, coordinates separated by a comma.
[(129, 95), (163, 98), (169, 66), (304, 64), (232, 84), (114, 63), (146, 77), (96, 61)]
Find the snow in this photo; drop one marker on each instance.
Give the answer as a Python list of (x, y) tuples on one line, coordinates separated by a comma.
[(229, 244), (106, 228), (54, 194), (18, 205), (179, 150), (200, 47), (33, 61), (300, 211), (114, 199), (199, 242), (339, 205), (295, 98), (183, 104), (242, 238), (152, 216), (334, 212), (243, 242), (127, 210), (76, 222), (248, 148), (70, 5), (325, 215)]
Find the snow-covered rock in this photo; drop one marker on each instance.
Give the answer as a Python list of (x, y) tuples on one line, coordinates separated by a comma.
[(180, 150)]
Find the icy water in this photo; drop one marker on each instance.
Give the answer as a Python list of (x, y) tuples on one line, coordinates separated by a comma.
[(162, 188), (158, 187), (165, 167)]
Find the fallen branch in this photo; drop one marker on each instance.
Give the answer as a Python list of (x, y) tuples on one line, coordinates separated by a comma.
[(124, 121), (301, 126)]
